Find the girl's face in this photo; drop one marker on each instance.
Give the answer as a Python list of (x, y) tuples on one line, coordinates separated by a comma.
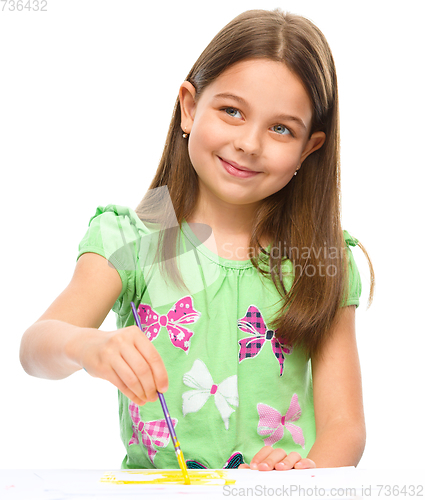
[(249, 131)]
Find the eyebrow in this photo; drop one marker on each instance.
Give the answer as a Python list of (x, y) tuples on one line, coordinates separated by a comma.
[(282, 117)]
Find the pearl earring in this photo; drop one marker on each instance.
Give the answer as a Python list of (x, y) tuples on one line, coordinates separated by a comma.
[(185, 136)]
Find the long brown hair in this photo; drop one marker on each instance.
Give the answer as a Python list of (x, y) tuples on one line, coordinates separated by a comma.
[(304, 216)]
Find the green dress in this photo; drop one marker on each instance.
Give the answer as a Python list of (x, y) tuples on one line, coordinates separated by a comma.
[(232, 387)]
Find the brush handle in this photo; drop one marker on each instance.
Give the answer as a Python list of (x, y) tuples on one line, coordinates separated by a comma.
[(161, 396), (170, 425), (169, 421), (136, 316)]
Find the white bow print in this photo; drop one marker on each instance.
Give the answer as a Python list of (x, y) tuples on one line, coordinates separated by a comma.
[(225, 394)]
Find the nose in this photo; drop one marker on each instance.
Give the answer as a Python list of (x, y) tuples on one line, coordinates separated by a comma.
[(248, 139)]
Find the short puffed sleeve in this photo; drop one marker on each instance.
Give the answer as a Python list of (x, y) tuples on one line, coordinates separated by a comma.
[(118, 234), (354, 281)]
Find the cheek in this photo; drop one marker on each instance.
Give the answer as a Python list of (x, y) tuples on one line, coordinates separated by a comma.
[(195, 153), (204, 139), (284, 161)]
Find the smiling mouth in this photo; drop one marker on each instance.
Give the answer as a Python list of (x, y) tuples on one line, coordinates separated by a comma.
[(237, 166), (237, 170)]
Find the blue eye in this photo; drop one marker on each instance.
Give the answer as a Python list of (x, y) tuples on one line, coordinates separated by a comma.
[(281, 129), (231, 111)]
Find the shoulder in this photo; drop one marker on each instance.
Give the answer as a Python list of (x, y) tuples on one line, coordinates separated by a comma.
[(118, 216), (118, 234), (114, 225)]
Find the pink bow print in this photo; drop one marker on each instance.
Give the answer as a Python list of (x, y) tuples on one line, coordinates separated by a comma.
[(153, 433), (182, 313), (253, 323), (273, 423)]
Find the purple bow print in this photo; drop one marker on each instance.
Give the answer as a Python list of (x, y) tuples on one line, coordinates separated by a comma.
[(153, 433), (253, 323), (182, 313), (273, 423)]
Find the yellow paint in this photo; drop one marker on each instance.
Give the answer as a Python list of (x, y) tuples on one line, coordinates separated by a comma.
[(209, 477), (183, 467)]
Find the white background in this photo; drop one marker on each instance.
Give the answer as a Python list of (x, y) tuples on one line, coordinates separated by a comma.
[(86, 94)]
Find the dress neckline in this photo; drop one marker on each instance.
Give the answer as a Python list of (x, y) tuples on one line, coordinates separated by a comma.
[(204, 250)]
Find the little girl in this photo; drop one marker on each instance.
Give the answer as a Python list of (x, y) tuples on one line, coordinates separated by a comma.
[(242, 277)]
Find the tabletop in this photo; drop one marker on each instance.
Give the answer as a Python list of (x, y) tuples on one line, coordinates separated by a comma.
[(343, 482)]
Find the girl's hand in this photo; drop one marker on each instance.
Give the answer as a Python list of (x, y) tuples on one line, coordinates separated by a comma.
[(66, 338), (269, 458), (128, 360)]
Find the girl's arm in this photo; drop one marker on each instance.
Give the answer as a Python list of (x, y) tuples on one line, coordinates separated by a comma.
[(66, 337), (338, 406), (338, 402)]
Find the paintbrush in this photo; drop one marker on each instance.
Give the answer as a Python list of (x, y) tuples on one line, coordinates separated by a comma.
[(179, 453)]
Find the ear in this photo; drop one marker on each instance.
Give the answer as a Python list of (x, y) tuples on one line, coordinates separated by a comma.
[(314, 143), (187, 95)]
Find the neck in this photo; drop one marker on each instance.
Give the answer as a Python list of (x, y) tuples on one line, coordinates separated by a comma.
[(231, 226), (225, 218)]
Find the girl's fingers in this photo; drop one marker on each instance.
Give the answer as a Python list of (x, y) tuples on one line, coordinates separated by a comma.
[(128, 380), (266, 458), (305, 463), (289, 461), (119, 384), (139, 377), (129, 361), (275, 457), (154, 360), (260, 456)]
